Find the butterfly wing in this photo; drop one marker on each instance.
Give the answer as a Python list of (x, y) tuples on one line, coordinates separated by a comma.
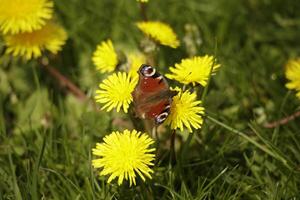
[(152, 97)]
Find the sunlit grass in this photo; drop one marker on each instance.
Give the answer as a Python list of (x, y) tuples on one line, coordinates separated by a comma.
[(46, 134)]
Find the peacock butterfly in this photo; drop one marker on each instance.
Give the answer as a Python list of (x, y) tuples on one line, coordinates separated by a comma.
[(152, 97)]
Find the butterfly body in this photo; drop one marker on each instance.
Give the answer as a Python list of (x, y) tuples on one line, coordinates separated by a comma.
[(152, 97)]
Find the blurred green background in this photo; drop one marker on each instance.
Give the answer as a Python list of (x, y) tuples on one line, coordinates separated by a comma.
[(46, 134)]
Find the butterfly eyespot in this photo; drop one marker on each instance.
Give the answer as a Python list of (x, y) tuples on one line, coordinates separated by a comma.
[(147, 70), (161, 117), (168, 106)]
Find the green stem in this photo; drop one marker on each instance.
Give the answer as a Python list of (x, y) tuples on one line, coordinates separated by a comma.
[(143, 11), (35, 173), (209, 77), (190, 137), (186, 145), (16, 188), (172, 147), (249, 139)]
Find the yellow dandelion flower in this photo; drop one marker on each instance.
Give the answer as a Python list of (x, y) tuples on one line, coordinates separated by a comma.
[(185, 111), (143, 1), (30, 45), (193, 70), (123, 155), (19, 16), (115, 91), (160, 32), (135, 60), (105, 57), (292, 73)]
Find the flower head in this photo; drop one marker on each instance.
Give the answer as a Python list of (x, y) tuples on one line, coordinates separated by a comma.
[(143, 1), (292, 73), (160, 32), (50, 37), (135, 61), (105, 57), (19, 16), (123, 155), (185, 111), (115, 91), (194, 70)]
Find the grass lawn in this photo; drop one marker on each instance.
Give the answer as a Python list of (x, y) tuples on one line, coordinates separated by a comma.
[(48, 129)]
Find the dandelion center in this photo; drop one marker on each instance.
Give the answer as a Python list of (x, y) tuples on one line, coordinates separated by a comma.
[(160, 32), (19, 16), (115, 91), (185, 111), (30, 45), (194, 70), (105, 57), (123, 155)]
